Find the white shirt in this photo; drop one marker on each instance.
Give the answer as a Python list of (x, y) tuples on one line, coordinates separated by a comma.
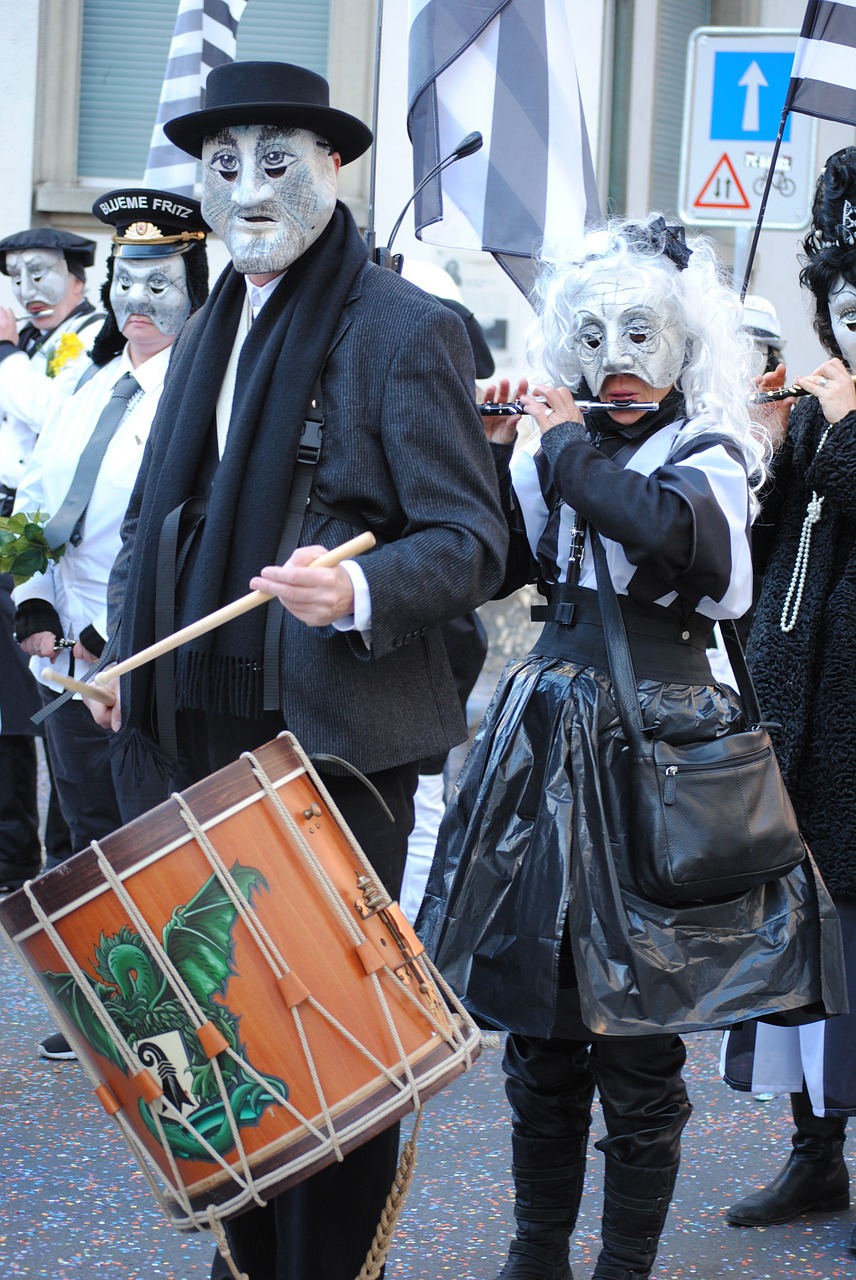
[(26, 392), (257, 295), (77, 585)]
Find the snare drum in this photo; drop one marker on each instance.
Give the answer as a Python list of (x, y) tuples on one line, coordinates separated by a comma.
[(247, 1000)]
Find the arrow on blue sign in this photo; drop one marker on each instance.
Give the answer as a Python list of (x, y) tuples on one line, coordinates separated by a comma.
[(752, 80), (748, 96)]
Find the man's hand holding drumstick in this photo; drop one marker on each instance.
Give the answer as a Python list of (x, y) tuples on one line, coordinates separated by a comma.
[(311, 585), (315, 594)]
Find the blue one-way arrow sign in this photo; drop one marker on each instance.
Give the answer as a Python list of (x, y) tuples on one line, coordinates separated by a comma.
[(748, 95)]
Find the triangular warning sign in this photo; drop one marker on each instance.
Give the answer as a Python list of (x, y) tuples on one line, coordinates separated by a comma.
[(722, 189)]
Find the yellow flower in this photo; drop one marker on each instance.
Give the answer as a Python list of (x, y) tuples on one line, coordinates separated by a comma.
[(69, 347)]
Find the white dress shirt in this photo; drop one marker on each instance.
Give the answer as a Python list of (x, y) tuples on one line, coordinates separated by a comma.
[(257, 295), (77, 585)]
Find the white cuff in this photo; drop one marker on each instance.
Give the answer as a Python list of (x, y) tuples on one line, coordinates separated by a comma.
[(361, 619)]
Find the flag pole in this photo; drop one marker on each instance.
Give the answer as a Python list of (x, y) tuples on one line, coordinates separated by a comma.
[(371, 234), (771, 173)]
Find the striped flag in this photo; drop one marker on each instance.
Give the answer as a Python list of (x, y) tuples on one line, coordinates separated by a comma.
[(823, 80), (205, 36), (504, 68)]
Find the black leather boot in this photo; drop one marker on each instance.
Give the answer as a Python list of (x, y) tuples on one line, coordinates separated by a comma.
[(548, 1186), (815, 1178), (635, 1204)]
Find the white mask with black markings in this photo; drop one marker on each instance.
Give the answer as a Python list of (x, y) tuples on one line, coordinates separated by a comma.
[(268, 192), (842, 316), (38, 275), (152, 287), (627, 328)]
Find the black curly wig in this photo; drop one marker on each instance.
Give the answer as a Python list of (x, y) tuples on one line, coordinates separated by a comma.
[(109, 341), (830, 245)]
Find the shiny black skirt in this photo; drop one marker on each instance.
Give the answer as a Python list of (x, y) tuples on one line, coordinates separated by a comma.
[(531, 911)]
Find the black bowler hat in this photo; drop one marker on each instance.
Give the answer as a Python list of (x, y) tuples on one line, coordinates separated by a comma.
[(149, 223), (79, 252), (269, 93)]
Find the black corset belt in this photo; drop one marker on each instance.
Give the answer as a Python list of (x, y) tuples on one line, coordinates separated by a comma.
[(664, 644)]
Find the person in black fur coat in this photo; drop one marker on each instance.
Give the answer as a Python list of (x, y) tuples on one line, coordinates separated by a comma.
[(802, 653)]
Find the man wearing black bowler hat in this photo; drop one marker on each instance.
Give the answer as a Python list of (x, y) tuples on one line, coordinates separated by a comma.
[(354, 665)]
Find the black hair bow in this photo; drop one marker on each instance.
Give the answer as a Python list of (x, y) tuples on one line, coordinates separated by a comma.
[(661, 239)]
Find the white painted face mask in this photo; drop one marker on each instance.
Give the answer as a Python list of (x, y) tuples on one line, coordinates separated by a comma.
[(268, 192), (38, 276), (628, 328), (151, 287), (842, 315)]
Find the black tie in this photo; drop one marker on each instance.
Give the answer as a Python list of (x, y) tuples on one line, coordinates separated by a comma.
[(67, 524)]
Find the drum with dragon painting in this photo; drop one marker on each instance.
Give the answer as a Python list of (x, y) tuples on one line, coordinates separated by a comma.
[(247, 1001)]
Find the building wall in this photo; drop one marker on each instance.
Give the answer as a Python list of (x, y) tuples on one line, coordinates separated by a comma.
[(39, 60)]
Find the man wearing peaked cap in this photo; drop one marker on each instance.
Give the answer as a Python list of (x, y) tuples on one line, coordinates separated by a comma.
[(148, 221), (156, 276), (81, 474), (302, 316), (47, 269)]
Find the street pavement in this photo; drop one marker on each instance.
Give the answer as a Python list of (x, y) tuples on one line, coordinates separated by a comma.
[(74, 1205)]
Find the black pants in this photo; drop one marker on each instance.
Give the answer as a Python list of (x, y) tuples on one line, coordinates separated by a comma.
[(83, 773), (642, 1093), (20, 846), (322, 1228)]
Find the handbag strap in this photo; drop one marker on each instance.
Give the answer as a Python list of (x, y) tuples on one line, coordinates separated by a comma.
[(624, 687), (618, 654)]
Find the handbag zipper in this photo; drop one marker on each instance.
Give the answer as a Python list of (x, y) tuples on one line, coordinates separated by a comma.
[(670, 783)]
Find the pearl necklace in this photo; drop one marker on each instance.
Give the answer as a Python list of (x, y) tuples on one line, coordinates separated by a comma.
[(813, 512)]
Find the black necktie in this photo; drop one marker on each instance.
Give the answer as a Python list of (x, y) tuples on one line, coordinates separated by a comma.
[(66, 525)]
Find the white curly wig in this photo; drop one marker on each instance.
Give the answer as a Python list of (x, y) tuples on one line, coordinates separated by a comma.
[(716, 378)]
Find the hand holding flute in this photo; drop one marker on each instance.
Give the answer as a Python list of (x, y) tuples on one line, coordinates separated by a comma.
[(9, 322), (831, 383), (502, 429)]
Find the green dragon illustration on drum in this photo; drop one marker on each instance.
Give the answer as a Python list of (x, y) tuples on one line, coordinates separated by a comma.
[(140, 1000)]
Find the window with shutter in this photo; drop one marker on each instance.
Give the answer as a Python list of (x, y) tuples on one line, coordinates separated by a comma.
[(124, 54)]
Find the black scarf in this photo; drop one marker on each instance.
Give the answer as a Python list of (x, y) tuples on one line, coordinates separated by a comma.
[(280, 361)]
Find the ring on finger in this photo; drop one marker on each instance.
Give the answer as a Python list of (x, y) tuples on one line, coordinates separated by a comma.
[(822, 380)]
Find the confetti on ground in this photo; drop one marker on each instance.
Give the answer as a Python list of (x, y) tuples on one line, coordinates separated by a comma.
[(76, 1207)]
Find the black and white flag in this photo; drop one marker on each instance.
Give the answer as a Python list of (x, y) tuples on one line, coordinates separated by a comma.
[(205, 36), (823, 80), (504, 68)]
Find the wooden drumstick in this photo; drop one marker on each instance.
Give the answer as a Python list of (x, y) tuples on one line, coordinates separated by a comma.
[(95, 690)]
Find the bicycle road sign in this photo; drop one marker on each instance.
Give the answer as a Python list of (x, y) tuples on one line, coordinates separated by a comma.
[(737, 79)]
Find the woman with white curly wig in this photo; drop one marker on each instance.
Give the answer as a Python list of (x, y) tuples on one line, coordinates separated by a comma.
[(638, 318)]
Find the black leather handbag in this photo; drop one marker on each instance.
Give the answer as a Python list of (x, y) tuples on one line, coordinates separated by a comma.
[(709, 819)]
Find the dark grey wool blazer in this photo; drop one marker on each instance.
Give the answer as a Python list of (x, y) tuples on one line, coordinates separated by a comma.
[(404, 447)]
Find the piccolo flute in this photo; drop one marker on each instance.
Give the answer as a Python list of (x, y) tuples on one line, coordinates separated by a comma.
[(491, 409), (771, 397), (31, 315)]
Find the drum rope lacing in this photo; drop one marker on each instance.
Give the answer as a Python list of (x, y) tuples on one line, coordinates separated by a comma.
[(134, 1066), (218, 1231), (198, 1017), (354, 933)]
